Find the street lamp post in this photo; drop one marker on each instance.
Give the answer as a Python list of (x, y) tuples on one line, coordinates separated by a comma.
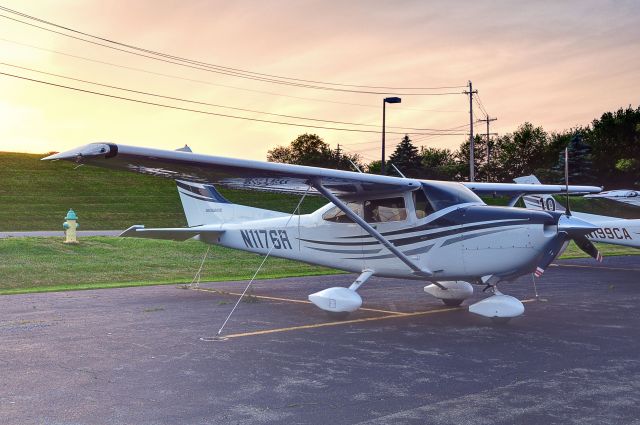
[(384, 112)]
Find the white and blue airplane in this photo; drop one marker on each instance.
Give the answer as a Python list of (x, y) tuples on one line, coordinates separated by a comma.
[(438, 232), (611, 230)]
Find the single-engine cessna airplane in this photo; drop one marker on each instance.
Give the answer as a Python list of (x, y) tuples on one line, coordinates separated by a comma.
[(612, 230), (438, 232)]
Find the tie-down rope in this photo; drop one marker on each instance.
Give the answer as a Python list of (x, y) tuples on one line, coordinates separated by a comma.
[(261, 264)]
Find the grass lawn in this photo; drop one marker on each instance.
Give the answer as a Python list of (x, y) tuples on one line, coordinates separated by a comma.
[(46, 264), (606, 249)]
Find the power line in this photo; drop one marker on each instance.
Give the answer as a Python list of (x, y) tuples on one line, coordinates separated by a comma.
[(479, 101), (24, 15), (421, 136), (390, 145), (484, 112), (199, 102), (189, 109), (366, 157), (217, 84), (201, 65)]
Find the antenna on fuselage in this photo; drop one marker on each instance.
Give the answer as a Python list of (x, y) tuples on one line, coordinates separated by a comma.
[(397, 171), (355, 166)]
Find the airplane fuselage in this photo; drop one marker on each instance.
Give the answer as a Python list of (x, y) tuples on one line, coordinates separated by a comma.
[(618, 232), (455, 243)]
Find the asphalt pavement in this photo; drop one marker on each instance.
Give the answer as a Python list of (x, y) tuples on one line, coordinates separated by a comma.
[(145, 355)]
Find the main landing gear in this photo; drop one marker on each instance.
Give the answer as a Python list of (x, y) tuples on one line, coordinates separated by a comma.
[(338, 302), (498, 307)]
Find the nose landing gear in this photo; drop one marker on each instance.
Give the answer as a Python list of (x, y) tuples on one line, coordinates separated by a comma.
[(499, 307), (452, 293)]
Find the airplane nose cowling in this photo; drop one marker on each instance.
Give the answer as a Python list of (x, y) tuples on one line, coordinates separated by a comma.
[(568, 228), (478, 214)]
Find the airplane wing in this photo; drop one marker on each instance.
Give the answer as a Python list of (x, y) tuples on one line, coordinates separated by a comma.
[(514, 189), (232, 172), (173, 234)]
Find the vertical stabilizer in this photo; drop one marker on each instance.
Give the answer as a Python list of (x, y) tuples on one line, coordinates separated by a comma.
[(203, 204), (538, 202)]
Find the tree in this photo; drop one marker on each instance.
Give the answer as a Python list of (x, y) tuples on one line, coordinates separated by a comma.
[(479, 158), (521, 153), (281, 154), (579, 162), (374, 167), (310, 149), (406, 158), (613, 137), (342, 161), (306, 149), (439, 164)]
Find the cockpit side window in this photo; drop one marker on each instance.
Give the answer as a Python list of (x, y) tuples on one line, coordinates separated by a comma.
[(336, 215), (423, 206), (385, 210)]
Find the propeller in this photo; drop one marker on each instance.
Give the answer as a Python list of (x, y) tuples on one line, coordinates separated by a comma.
[(569, 228)]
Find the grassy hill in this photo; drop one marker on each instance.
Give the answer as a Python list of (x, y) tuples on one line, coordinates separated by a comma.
[(36, 195)]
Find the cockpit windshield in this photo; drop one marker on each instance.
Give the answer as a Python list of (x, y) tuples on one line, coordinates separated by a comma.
[(445, 194)]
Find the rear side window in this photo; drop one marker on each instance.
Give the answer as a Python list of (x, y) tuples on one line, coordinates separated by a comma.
[(336, 215), (385, 210)]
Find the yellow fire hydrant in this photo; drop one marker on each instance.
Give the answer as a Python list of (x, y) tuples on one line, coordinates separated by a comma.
[(70, 227)]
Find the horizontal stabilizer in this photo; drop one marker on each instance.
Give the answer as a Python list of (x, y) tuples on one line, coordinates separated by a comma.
[(174, 234)]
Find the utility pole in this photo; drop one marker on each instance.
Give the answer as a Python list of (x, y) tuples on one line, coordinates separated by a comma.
[(488, 120), (471, 140)]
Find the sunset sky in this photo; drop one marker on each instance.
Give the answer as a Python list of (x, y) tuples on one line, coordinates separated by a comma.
[(557, 64)]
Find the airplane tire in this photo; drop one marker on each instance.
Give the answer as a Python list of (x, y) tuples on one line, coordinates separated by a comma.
[(338, 315), (452, 303)]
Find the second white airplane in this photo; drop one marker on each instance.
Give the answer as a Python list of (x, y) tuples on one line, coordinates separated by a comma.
[(611, 230)]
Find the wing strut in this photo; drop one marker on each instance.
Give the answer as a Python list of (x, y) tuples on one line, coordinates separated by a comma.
[(373, 232)]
